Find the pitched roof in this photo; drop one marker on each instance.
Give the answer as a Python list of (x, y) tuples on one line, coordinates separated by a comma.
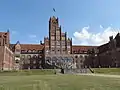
[(31, 47), (81, 49), (28, 46)]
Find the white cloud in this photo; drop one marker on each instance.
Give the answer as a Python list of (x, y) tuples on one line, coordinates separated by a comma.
[(32, 36), (84, 37)]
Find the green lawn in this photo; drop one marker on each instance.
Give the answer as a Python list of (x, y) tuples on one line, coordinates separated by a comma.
[(58, 82), (28, 72), (114, 71)]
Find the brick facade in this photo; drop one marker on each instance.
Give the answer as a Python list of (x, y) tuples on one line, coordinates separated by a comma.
[(6, 58), (6, 55), (56, 51)]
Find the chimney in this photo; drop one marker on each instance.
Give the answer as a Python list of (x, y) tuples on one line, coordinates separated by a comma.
[(111, 38), (41, 42)]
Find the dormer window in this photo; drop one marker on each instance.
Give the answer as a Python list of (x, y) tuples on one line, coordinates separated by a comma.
[(29, 51), (34, 50), (23, 51)]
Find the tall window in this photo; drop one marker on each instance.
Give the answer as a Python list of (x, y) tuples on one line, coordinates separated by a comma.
[(34, 62), (57, 32), (52, 37)]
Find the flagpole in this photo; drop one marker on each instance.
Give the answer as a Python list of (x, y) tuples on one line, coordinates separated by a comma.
[(54, 12)]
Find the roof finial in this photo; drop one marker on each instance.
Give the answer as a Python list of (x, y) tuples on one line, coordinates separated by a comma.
[(8, 30)]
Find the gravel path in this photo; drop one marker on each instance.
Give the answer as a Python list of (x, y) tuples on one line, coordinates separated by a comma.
[(102, 75)]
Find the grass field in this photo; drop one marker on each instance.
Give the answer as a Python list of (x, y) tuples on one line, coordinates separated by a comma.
[(47, 80), (58, 82), (113, 71), (28, 72)]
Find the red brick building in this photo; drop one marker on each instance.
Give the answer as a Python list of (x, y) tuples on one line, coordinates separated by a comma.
[(6, 55), (56, 51), (109, 53)]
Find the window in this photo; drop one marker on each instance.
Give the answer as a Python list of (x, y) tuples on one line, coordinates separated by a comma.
[(52, 42), (57, 46), (17, 50), (63, 42), (58, 32), (58, 37), (39, 62), (63, 38), (40, 51), (28, 61), (53, 37), (23, 51), (52, 33), (63, 49), (76, 56), (68, 52), (34, 50), (35, 56), (34, 67), (17, 55), (58, 42), (29, 51), (40, 56), (40, 66), (85, 57), (29, 56), (68, 46), (17, 61), (34, 61), (81, 56), (23, 56)]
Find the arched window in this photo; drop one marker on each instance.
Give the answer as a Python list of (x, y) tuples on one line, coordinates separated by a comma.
[(23, 56), (81, 56), (34, 56), (76, 56), (85, 57), (29, 56)]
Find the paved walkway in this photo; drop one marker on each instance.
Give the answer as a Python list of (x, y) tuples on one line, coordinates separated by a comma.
[(101, 75)]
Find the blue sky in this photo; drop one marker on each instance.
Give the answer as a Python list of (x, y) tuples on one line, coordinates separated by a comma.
[(86, 21)]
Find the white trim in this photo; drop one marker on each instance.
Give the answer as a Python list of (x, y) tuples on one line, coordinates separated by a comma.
[(8, 49)]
